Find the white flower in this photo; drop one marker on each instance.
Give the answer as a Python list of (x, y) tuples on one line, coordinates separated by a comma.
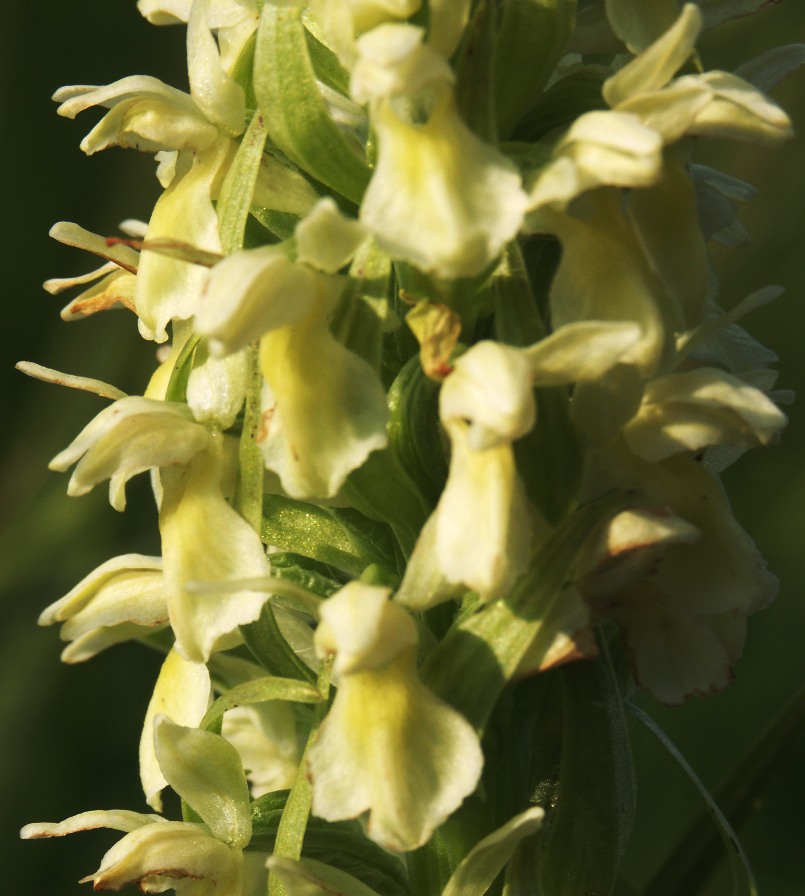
[(388, 745), (439, 196), (132, 435), (196, 859), (695, 409), (122, 599), (684, 622), (324, 408), (485, 404), (205, 540)]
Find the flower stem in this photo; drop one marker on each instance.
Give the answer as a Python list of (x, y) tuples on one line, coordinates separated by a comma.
[(291, 829)]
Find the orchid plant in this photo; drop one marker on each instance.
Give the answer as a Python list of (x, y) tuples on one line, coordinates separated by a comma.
[(444, 387)]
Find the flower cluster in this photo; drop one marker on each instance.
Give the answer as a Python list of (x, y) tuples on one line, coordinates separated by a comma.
[(448, 387)]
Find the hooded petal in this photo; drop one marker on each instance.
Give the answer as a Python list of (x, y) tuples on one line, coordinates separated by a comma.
[(491, 386), (360, 629), (123, 598), (146, 114), (132, 435), (251, 292), (694, 409), (342, 23), (325, 239), (216, 389), (394, 61), (600, 148), (173, 855), (134, 569)]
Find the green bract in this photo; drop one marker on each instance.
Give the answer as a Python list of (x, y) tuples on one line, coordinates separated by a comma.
[(448, 387)]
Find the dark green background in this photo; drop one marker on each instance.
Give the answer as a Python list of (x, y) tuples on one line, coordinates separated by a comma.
[(69, 735)]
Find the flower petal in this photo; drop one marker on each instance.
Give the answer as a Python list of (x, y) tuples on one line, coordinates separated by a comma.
[(216, 389), (324, 408), (325, 239), (694, 409), (482, 486), (220, 98), (491, 387), (160, 856), (265, 738), (115, 819), (205, 770), (271, 292), (182, 692), (168, 288), (363, 630), (478, 869), (308, 877), (390, 747), (132, 435), (205, 540)]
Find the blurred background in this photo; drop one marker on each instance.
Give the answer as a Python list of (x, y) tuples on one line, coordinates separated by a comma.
[(68, 735)]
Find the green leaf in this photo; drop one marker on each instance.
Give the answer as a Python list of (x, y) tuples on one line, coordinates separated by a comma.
[(357, 323), (312, 531), (563, 102), (242, 74), (381, 489), (768, 69), (251, 469), (294, 111), (260, 690), (341, 844), (238, 187), (373, 541), (281, 224), (717, 11), (177, 385), (315, 577), (296, 811), (474, 64), (327, 65), (415, 434), (549, 459), (482, 652), (590, 825), (531, 38), (272, 651)]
